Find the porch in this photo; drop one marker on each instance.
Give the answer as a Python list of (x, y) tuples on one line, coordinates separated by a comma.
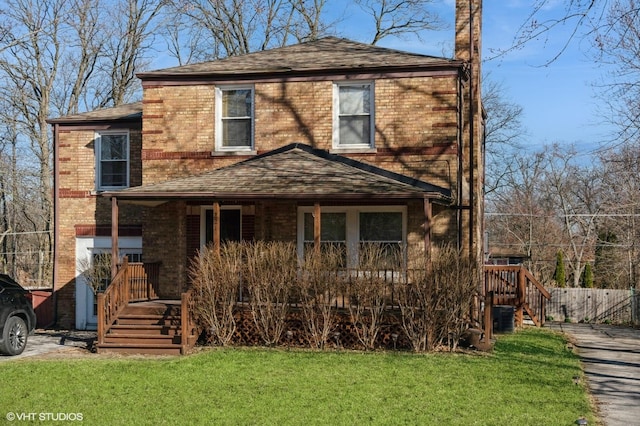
[(132, 319)]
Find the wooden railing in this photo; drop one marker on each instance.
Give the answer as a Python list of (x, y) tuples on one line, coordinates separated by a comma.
[(113, 300), (133, 282), (187, 322), (516, 286), (143, 279)]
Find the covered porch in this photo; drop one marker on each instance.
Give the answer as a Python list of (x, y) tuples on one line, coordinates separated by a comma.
[(297, 194)]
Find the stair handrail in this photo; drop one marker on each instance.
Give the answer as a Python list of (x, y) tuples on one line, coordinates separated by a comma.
[(533, 280), (113, 300), (187, 322)]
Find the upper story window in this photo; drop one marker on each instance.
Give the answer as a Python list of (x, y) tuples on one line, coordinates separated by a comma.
[(353, 115), (234, 118), (112, 160)]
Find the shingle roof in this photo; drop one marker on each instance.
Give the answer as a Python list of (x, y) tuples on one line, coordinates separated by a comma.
[(296, 171), (127, 112), (329, 53)]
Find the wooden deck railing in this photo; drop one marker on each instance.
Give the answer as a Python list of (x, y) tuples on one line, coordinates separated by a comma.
[(143, 279), (113, 300), (187, 322), (514, 285), (133, 282)]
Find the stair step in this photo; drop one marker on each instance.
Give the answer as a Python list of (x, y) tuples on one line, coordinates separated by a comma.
[(152, 310), (141, 348), (135, 339), (163, 330), (148, 319)]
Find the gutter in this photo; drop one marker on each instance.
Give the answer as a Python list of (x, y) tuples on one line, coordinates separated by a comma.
[(56, 193), (167, 196)]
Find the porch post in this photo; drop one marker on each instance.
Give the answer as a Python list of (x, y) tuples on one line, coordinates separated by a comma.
[(216, 227), (114, 236), (316, 226), (428, 217)]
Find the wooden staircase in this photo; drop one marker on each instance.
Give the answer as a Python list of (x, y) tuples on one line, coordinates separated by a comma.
[(132, 320), (516, 286), (146, 328)]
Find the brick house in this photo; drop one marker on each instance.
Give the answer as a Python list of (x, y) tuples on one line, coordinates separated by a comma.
[(329, 135)]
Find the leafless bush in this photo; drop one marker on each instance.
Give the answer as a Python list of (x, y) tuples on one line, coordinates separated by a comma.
[(215, 278), (270, 274), (435, 304), (319, 285), (97, 271), (368, 295)]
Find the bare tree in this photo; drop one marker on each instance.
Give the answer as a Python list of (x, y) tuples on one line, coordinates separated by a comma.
[(581, 18), (131, 37), (59, 57), (28, 70), (503, 133), (575, 191), (520, 217), (617, 253), (618, 44), (225, 28), (400, 17)]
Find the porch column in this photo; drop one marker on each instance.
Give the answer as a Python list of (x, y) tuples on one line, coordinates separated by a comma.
[(114, 237), (216, 227), (316, 226), (428, 218)]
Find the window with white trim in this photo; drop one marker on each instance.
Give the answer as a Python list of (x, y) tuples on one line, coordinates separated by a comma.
[(355, 228), (112, 160), (234, 118), (353, 115)]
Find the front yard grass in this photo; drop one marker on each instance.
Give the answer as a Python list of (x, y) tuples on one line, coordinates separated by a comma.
[(528, 379)]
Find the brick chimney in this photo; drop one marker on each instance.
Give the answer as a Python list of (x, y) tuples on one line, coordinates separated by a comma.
[(468, 39)]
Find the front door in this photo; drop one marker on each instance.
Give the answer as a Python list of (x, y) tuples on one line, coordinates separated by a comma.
[(87, 250), (230, 225)]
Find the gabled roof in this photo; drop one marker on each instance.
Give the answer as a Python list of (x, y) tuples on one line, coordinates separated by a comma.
[(126, 112), (296, 171), (329, 53)]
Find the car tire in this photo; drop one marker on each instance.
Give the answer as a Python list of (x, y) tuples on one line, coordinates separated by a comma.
[(14, 336)]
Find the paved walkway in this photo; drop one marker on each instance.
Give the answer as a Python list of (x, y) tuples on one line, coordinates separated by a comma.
[(611, 359), (46, 342)]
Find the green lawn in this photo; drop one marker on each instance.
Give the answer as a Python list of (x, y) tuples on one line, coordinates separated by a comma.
[(528, 380)]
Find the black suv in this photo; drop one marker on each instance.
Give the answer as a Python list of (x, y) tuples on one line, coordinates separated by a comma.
[(17, 318)]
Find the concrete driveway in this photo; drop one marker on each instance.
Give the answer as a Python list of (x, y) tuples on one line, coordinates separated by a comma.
[(49, 342), (611, 360)]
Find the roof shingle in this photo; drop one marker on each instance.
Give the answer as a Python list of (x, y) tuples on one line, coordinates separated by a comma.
[(293, 172), (329, 53)]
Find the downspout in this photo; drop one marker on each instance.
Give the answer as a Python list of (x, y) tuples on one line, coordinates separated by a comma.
[(56, 194), (460, 161), (471, 133)]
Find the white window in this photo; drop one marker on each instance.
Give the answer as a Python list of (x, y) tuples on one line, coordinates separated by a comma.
[(234, 118), (355, 228), (353, 115), (112, 160)]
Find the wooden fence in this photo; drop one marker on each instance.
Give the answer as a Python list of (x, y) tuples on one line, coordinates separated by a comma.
[(594, 305)]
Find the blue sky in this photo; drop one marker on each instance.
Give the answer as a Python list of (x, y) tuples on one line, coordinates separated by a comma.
[(558, 99)]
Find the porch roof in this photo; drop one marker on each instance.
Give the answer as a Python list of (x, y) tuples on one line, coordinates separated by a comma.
[(296, 171)]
